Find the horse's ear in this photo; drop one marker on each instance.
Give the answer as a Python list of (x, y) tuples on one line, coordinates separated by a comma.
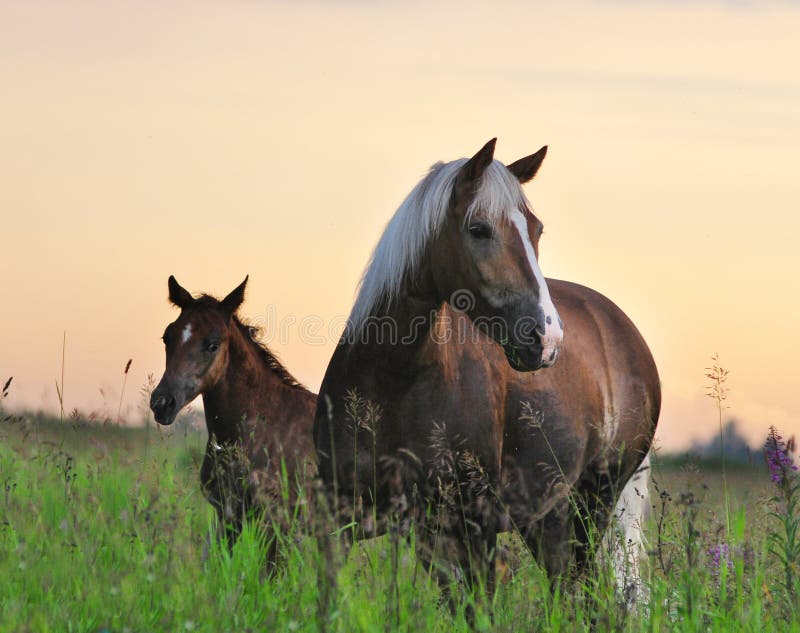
[(232, 302), (178, 294), (525, 168), (472, 171)]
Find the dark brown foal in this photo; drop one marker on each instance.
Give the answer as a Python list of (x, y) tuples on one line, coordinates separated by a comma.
[(258, 416)]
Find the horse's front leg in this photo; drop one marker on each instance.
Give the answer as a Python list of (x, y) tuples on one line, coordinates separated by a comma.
[(459, 545), (329, 523), (594, 500), (549, 539)]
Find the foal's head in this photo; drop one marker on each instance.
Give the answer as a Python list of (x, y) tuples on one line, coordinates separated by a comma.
[(486, 254), (197, 348)]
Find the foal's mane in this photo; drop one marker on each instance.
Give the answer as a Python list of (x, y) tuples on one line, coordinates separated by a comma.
[(250, 334), (398, 254)]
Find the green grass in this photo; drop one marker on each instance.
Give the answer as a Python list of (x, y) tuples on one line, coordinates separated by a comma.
[(105, 528)]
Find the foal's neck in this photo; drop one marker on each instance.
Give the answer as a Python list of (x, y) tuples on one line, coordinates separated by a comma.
[(245, 394)]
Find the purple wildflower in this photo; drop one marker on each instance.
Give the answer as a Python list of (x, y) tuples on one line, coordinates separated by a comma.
[(778, 459), (720, 554)]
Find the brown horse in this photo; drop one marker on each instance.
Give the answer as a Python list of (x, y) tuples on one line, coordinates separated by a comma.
[(258, 416), (452, 317)]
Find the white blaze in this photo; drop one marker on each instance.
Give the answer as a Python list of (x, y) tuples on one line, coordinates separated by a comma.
[(187, 333), (553, 332)]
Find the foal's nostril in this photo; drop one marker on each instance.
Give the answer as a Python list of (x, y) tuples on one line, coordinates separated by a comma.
[(159, 402)]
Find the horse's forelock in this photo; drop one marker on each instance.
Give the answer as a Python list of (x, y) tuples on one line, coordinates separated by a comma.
[(499, 195)]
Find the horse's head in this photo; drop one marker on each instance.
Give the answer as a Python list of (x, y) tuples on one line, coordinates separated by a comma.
[(197, 349), (485, 259)]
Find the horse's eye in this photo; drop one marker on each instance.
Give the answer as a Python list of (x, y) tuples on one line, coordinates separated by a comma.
[(212, 347), (480, 231)]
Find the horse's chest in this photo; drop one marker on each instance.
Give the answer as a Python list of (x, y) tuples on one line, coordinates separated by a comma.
[(452, 395)]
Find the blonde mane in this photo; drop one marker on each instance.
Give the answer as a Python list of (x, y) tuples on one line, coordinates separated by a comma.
[(419, 218)]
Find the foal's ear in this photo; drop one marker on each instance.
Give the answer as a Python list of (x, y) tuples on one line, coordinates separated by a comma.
[(232, 302), (525, 168), (473, 169), (178, 294)]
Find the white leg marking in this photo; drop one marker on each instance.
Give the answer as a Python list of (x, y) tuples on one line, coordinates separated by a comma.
[(553, 331), (187, 333), (624, 539)]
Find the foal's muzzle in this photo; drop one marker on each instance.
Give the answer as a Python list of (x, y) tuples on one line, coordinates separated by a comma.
[(164, 406)]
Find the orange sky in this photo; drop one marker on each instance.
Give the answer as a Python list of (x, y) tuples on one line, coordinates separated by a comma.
[(211, 140)]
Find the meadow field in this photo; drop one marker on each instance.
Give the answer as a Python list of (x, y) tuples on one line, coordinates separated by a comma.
[(104, 528)]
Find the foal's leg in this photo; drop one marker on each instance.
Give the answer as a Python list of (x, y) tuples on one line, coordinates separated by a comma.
[(226, 533), (229, 521), (223, 482), (232, 530)]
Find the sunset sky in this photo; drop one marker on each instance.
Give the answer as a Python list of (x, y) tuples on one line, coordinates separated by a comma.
[(211, 140)]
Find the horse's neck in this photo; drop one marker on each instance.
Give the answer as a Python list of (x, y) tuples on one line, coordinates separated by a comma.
[(416, 328), (248, 392)]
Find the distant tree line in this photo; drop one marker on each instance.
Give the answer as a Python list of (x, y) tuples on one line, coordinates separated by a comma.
[(736, 448)]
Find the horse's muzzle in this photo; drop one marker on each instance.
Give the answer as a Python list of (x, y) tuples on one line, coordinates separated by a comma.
[(551, 339), (549, 356), (524, 358), (539, 354)]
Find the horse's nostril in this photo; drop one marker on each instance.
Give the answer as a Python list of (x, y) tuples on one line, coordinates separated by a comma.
[(170, 404)]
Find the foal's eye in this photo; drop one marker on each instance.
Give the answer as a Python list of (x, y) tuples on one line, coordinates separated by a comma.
[(212, 347), (480, 231)]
